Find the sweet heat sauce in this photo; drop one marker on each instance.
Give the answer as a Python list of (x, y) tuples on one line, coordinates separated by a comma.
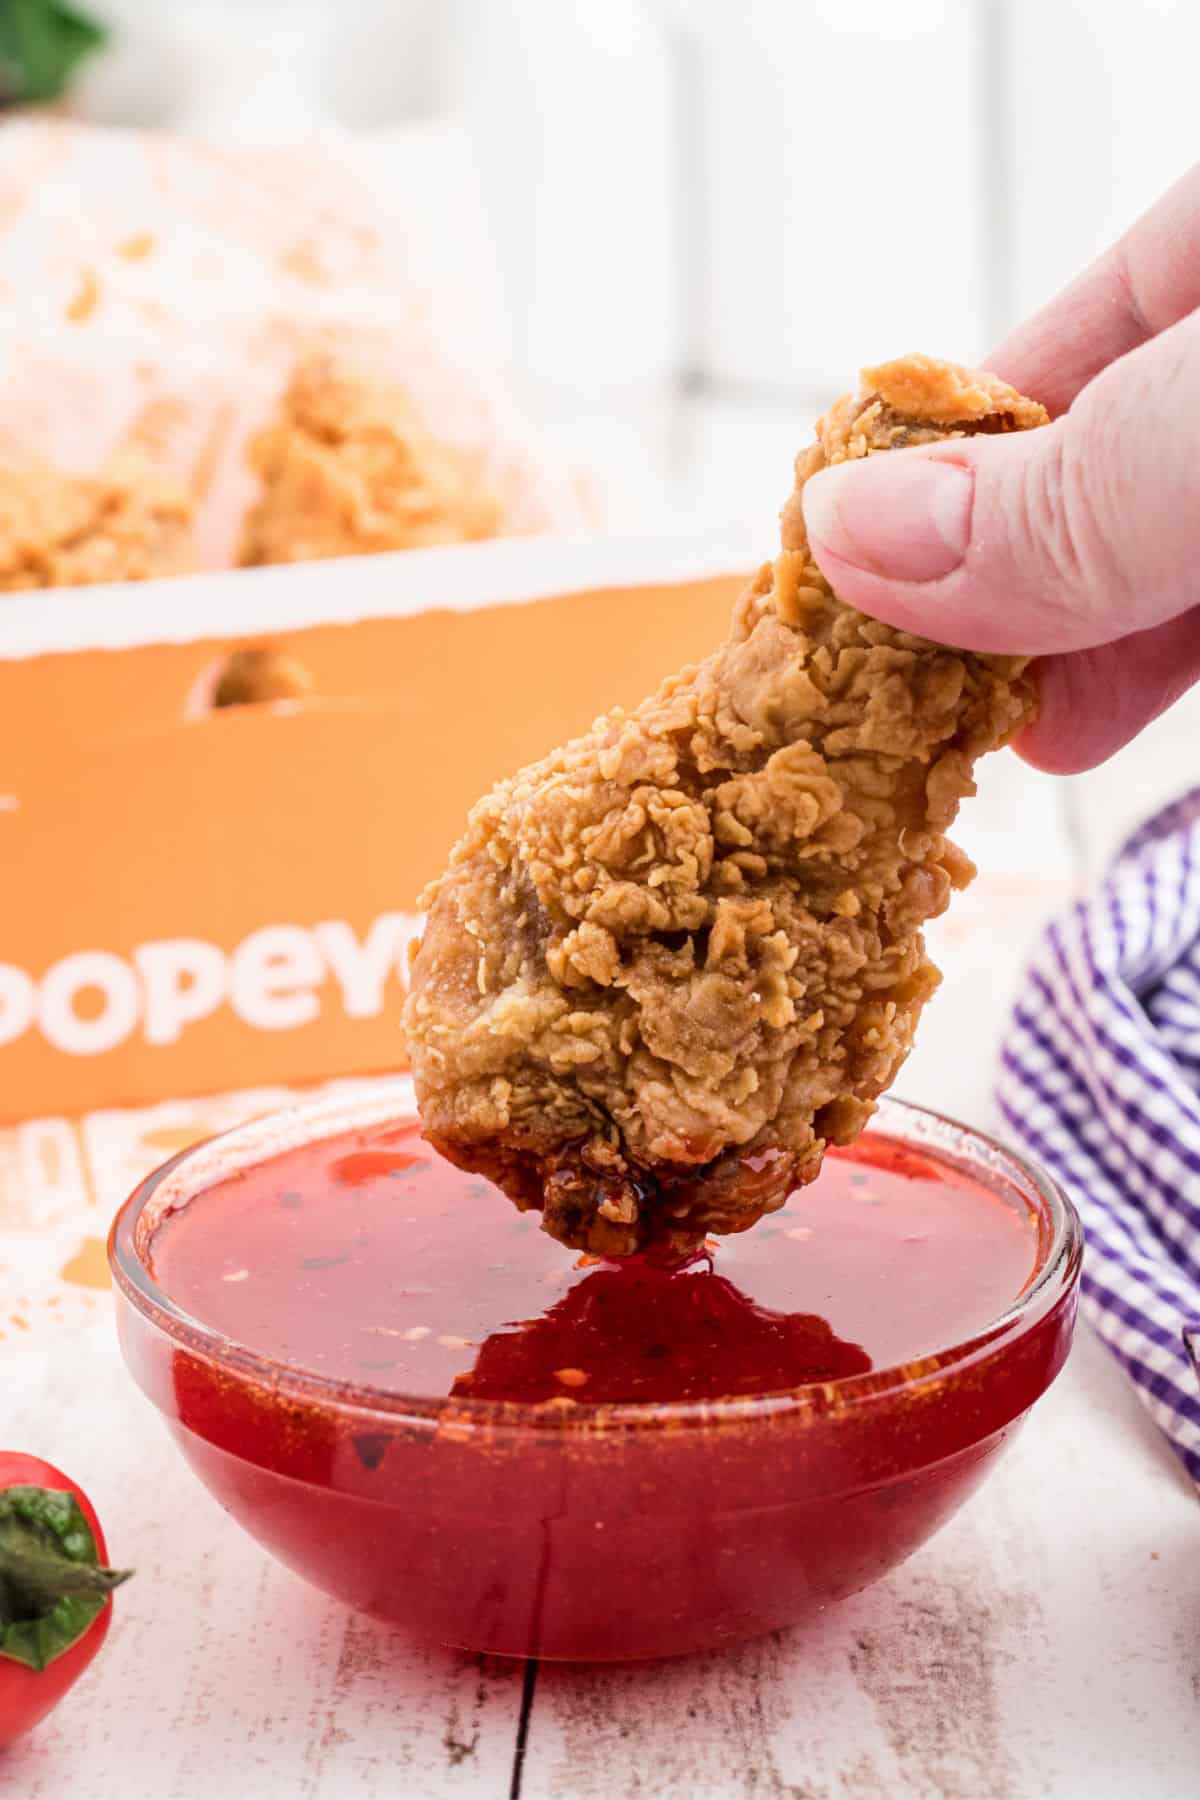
[(379, 1263), (555, 1526)]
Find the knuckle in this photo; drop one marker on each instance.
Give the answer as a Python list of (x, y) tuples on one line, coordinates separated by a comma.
[(1091, 507), (1061, 553), (1077, 519)]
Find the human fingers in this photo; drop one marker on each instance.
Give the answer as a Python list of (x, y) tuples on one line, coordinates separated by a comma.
[(1059, 539), (1092, 702)]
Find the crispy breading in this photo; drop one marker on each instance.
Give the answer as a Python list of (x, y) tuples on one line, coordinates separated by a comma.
[(64, 530), (672, 961), (346, 469)]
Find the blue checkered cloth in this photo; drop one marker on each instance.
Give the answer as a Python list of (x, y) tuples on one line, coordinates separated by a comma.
[(1100, 1082)]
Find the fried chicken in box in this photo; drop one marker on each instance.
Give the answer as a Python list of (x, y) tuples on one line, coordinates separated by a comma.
[(346, 469), (673, 961), (64, 530)]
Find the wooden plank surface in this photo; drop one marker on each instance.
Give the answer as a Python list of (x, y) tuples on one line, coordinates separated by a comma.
[(1046, 1646)]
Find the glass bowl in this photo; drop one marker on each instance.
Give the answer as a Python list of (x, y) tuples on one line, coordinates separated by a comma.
[(597, 1532)]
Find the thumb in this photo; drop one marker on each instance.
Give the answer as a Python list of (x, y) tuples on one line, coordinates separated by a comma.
[(1056, 539)]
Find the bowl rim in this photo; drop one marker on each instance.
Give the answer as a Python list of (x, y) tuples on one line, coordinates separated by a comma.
[(388, 1100)]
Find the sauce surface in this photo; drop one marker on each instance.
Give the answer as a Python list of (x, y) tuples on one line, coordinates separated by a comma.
[(368, 1258)]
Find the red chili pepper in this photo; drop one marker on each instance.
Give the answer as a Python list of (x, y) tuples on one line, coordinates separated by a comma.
[(54, 1589)]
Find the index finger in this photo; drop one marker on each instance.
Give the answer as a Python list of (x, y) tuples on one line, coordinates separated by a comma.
[(1147, 280)]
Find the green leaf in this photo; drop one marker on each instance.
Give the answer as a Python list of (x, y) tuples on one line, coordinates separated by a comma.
[(52, 1588), (41, 44)]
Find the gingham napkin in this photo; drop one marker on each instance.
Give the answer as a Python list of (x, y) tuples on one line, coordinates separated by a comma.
[(1100, 1081)]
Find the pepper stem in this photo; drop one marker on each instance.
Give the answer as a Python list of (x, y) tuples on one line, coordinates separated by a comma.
[(52, 1586)]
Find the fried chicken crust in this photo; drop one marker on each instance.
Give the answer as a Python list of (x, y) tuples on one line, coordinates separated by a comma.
[(64, 530), (671, 962), (346, 469)]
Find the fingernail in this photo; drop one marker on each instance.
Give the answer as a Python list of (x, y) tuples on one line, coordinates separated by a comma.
[(902, 516)]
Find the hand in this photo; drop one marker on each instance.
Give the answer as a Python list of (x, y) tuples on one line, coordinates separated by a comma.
[(1079, 543)]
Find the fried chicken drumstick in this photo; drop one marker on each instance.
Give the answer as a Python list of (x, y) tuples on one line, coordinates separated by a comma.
[(673, 961)]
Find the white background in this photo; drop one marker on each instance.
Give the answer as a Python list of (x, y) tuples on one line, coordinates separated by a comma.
[(707, 213)]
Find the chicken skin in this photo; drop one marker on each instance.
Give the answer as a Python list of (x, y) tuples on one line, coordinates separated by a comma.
[(674, 960)]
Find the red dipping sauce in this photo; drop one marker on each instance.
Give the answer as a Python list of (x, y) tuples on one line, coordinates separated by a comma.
[(418, 1400)]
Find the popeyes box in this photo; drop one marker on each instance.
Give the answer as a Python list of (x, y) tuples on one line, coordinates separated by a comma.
[(198, 898)]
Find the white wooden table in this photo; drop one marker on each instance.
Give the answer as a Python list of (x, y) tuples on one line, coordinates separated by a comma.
[(1046, 1646)]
